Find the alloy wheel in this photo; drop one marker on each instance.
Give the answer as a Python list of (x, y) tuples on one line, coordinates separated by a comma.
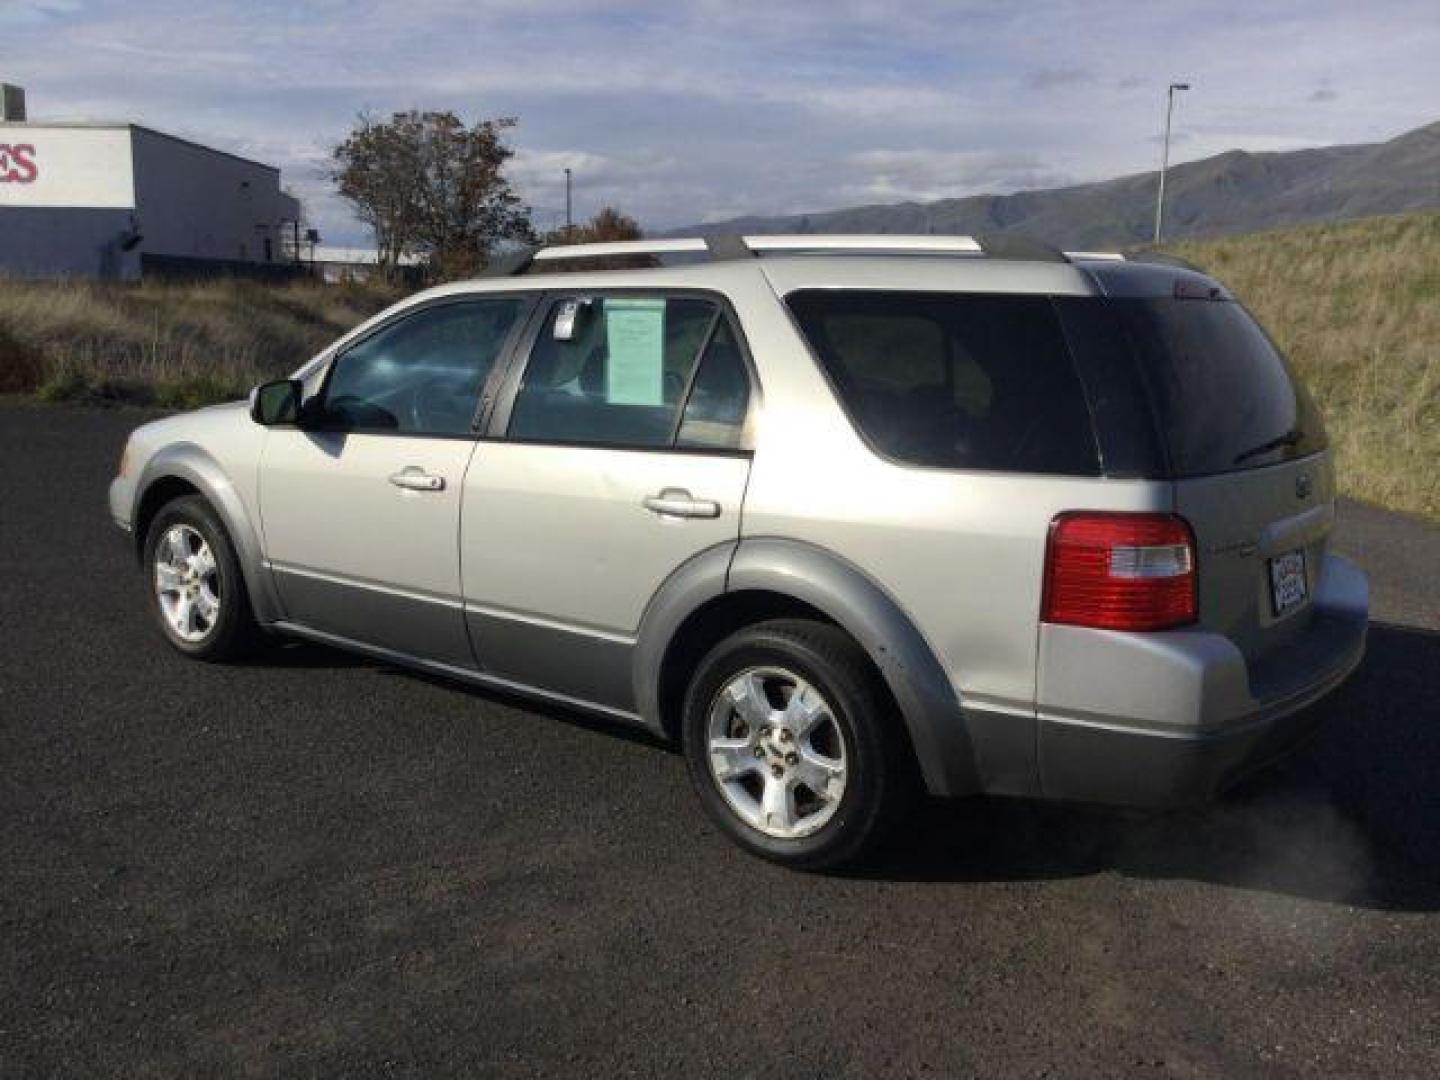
[(187, 583), (776, 752)]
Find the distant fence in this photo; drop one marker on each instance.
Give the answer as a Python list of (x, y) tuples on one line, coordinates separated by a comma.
[(187, 268)]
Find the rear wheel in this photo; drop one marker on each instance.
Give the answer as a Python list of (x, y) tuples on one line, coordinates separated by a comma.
[(197, 592), (793, 745)]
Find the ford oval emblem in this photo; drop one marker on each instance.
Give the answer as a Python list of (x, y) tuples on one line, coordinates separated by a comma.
[(1302, 486)]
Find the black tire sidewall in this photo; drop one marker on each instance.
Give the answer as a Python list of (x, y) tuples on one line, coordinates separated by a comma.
[(827, 659), (230, 633)]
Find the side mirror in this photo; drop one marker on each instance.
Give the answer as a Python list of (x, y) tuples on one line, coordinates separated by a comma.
[(276, 402)]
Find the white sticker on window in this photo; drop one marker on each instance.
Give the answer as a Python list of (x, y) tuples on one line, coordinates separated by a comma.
[(635, 339)]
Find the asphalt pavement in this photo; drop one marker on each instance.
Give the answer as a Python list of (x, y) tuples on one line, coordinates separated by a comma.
[(315, 864)]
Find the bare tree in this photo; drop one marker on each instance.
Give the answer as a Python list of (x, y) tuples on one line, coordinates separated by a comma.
[(427, 184)]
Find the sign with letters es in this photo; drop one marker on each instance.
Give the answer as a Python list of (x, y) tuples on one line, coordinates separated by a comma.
[(44, 165), (17, 163)]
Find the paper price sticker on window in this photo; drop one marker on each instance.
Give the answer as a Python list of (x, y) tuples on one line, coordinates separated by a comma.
[(635, 340)]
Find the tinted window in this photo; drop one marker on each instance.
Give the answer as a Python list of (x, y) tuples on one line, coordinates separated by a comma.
[(962, 381), (619, 377), (1123, 420), (1224, 396), (719, 396), (423, 374)]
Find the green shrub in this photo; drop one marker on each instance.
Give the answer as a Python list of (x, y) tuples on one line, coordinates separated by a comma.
[(22, 368), (196, 391)]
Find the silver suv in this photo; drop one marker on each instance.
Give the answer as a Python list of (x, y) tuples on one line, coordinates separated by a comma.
[(849, 518)]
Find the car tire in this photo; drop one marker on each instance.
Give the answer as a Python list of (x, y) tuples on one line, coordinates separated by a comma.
[(769, 714), (193, 579)]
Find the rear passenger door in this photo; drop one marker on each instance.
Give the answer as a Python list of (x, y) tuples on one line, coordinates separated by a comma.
[(618, 450)]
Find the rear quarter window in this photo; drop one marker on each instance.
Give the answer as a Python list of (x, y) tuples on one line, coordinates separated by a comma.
[(953, 380)]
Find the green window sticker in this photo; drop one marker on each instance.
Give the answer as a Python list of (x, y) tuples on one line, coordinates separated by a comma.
[(635, 339)]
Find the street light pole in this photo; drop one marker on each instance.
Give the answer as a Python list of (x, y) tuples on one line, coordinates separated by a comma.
[(1165, 155), (569, 221)]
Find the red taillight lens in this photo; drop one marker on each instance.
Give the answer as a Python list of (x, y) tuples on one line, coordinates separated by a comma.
[(1120, 571)]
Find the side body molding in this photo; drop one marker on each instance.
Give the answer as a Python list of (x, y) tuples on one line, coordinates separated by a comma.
[(191, 463)]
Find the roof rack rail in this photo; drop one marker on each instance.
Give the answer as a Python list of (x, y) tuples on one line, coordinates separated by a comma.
[(611, 248), (729, 246), (509, 264), (1095, 256), (1006, 246), (867, 243)]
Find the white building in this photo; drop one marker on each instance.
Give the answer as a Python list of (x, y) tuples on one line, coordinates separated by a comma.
[(120, 201), (339, 264)]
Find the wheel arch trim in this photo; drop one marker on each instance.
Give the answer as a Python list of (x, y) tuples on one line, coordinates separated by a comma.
[(695, 583), (844, 593), (195, 465)]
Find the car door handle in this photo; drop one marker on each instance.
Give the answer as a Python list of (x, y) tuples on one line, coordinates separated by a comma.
[(413, 479), (677, 502)]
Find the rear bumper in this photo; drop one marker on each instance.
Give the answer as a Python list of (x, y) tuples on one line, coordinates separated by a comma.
[(1173, 718)]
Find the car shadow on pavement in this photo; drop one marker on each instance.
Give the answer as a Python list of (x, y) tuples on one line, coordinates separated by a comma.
[(1353, 817), (302, 655)]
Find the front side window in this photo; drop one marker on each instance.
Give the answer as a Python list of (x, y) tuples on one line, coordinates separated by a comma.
[(633, 371), (423, 374), (953, 380)]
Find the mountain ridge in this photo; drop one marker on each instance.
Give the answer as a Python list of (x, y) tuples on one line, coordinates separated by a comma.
[(1230, 192)]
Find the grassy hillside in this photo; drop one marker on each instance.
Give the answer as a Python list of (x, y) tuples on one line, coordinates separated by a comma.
[(1356, 306), (176, 345)]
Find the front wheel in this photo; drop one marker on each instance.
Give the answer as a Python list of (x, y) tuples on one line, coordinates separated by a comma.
[(793, 744), (197, 593)]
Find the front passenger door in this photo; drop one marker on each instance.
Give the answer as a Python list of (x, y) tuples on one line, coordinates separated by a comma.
[(360, 504)]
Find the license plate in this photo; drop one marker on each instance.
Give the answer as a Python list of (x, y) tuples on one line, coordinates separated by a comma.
[(1287, 581)]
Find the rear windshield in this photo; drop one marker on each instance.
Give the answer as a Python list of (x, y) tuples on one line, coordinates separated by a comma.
[(953, 380), (1223, 394)]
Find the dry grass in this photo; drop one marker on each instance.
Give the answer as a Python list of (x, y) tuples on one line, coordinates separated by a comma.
[(175, 344), (1356, 306)]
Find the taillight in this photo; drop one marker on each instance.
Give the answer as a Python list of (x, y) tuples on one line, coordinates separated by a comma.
[(1119, 571)]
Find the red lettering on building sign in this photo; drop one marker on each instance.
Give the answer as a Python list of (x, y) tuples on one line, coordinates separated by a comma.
[(17, 164)]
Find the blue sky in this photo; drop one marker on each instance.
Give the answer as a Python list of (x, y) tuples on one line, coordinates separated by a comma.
[(679, 112)]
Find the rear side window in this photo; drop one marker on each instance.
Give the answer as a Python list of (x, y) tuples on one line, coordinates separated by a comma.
[(633, 372), (1224, 396), (953, 380)]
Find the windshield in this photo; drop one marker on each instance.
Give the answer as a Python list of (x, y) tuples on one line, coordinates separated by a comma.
[(1224, 396)]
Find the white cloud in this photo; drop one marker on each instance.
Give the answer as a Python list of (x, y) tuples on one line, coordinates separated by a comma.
[(22, 13), (684, 112), (922, 174)]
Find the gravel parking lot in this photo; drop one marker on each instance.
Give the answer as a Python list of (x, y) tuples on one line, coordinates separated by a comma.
[(317, 864)]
